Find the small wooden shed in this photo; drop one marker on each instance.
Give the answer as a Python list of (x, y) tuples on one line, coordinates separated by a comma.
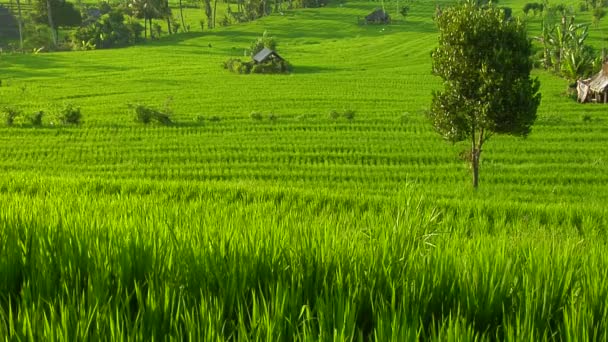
[(378, 17), (594, 89), (266, 55)]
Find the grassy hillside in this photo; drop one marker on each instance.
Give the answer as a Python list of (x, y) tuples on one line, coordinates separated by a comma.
[(302, 227)]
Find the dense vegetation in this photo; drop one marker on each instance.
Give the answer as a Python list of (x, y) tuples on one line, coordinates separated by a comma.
[(305, 222)]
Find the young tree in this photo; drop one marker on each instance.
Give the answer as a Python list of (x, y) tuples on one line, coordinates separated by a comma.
[(484, 61)]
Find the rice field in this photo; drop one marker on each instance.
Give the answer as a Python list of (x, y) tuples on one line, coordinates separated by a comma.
[(297, 226)]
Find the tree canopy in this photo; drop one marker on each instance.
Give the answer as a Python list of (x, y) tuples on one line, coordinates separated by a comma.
[(484, 60)]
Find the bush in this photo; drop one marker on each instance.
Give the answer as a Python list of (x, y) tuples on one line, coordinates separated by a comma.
[(36, 118), (112, 29), (534, 7), (404, 10), (10, 114), (237, 66), (271, 67), (265, 41), (199, 119), (255, 116), (349, 114), (272, 117), (215, 118), (70, 115), (146, 115)]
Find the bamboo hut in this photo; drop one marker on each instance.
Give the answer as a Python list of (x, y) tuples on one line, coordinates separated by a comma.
[(594, 89)]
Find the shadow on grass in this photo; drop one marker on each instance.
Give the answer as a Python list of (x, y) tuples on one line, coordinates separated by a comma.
[(313, 69)]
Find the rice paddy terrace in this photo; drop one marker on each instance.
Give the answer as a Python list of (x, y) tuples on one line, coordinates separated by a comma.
[(297, 226)]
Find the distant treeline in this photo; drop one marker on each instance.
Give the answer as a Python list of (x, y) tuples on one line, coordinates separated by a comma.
[(42, 25)]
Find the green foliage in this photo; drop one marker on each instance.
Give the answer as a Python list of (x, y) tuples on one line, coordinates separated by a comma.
[(146, 115), (564, 49), (9, 26), (484, 62), (37, 37), (112, 29), (10, 114), (265, 41), (64, 13), (270, 67), (255, 115), (535, 7), (35, 119), (598, 13), (404, 11), (238, 66), (70, 115), (349, 114)]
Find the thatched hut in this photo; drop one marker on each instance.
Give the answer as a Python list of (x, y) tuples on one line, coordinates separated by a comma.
[(378, 17), (594, 89)]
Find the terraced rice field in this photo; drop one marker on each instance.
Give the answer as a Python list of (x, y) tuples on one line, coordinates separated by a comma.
[(300, 227)]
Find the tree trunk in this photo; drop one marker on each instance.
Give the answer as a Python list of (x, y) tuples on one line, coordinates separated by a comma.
[(209, 13), (169, 25), (214, 11), (475, 165), (181, 14), (20, 25), (476, 154), (51, 25), (145, 27)]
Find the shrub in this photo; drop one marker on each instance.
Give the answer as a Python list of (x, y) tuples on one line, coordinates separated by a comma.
[(70, 115), (349, 114), (110, 30), (36, 118), (255, 115), (265, 41), (199, 119), (404, 10), (146, 115), (215, 118), (10, 114), (334, 114), (272, 117)]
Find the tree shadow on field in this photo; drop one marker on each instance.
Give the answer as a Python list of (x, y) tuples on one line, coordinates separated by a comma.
[(35, 65), (314, 69)]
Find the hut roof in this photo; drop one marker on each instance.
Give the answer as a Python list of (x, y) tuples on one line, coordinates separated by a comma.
[(599, 82), (264, 54)]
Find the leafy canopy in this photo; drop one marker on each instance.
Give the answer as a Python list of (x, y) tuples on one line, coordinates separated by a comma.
[(484, 61)]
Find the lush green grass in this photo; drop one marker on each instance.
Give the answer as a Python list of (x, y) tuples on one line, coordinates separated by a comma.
[(304, 227)]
